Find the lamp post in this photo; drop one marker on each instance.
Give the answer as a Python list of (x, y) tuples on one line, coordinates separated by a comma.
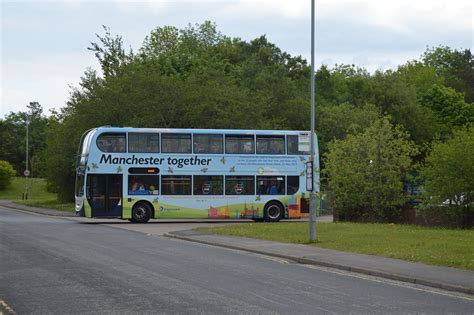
[(27, 171), (312, 194)]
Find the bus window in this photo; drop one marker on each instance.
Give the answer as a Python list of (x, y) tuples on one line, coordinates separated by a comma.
[(293, 145), (208, 144), (270, 144), (111, 142), (144, 142), (239, 144), (239, 185), (292, 184), (176, 143), (208, 185), (270, 185), (175, 185), (143, 184)]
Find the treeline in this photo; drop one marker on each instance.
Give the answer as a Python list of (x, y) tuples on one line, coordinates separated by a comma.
[(197, 77)]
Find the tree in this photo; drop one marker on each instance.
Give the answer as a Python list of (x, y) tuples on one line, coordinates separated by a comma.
[(449, 105), (448, 174), (455, 66), (419, 75), (13, 138), (366, 172), (6, 174), (336, 121)]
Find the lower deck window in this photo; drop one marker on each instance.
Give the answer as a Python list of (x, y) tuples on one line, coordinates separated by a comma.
[(271, 185), (208, 185), (143, 184), (239, 185), (175, 185)]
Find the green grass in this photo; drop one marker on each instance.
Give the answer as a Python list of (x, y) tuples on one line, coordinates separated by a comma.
[(435, 246), (37, 194)]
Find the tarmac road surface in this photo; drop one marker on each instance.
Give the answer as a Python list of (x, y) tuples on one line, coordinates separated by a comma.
[(59, 266)]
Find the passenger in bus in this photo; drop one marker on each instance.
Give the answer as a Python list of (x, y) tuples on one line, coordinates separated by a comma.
[(273, 190), (135, 185), (262, 189)]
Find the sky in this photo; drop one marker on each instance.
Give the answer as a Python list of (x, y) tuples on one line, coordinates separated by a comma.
[(44, 43)]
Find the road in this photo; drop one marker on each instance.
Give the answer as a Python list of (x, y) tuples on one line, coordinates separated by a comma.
[(63, 266)]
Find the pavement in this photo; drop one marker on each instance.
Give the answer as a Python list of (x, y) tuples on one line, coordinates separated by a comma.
[(446, 278)]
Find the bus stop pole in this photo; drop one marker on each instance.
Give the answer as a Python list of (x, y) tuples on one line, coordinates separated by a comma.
[(312, 197)]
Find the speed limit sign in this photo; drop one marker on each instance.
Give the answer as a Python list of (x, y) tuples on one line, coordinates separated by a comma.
[(26, 173)]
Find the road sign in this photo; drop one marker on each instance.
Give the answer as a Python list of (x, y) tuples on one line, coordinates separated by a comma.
[(304, 141), (26, 173), (309, 176)]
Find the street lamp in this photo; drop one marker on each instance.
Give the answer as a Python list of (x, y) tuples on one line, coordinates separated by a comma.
[(27, 171), (312, 193)]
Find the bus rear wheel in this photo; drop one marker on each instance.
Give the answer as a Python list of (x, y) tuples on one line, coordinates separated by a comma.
[(141, 213), (273, 211)]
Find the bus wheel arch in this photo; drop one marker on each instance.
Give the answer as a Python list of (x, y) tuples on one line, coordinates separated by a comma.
[(142, 211), (273, 211)]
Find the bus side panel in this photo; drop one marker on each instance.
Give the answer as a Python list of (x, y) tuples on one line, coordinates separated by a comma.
[(87, 209), (127, 208)]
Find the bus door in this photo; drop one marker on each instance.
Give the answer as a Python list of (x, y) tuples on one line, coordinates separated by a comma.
[(105, 194)]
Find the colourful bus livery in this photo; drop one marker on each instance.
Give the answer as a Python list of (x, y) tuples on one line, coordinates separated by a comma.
[(142, 173)]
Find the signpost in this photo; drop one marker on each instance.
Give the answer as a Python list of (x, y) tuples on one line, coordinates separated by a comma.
[(26, 172), (309, 176)]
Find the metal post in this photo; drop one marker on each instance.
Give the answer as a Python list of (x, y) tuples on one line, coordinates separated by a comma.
[(26, 171), (312, 194)]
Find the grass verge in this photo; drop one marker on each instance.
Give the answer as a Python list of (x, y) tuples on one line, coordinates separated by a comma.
[(38, 196), (435, 246)]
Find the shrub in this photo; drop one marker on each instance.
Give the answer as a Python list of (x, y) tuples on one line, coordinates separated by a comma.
[(448, 176), (6, 174), (366, 171)]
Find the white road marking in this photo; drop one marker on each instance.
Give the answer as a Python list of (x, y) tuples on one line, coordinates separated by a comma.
[(413, 286)]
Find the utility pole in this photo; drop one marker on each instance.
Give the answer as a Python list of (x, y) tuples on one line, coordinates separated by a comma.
[(312, 194), (27, 171)]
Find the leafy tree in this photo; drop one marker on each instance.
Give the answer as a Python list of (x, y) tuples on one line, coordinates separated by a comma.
[(419, 75), (13, 138), (110, 53), (455, 66), (449, 105), (399, 99), (366, 171), (336, 121), (6, 174), (448, 174)]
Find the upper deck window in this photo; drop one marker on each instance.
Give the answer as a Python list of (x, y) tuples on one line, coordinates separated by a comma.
[(144, 142), (239, 144), (111, 142), (176, 143), (270, 144), (292, 141), (208, 143)]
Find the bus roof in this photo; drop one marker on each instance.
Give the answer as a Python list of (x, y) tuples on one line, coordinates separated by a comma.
[(184, 130)]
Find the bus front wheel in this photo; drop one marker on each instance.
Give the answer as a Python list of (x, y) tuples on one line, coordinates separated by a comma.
[(273, 211), (141, 213)]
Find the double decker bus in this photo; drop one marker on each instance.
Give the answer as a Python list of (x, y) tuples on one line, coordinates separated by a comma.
[(146, 173)]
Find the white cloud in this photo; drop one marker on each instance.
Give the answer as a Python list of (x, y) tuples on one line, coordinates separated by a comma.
[(42, 79)]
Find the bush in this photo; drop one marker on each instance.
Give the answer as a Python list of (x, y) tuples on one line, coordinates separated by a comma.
[(6, 174), (444, 216), (448, 178), (366, 171)]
